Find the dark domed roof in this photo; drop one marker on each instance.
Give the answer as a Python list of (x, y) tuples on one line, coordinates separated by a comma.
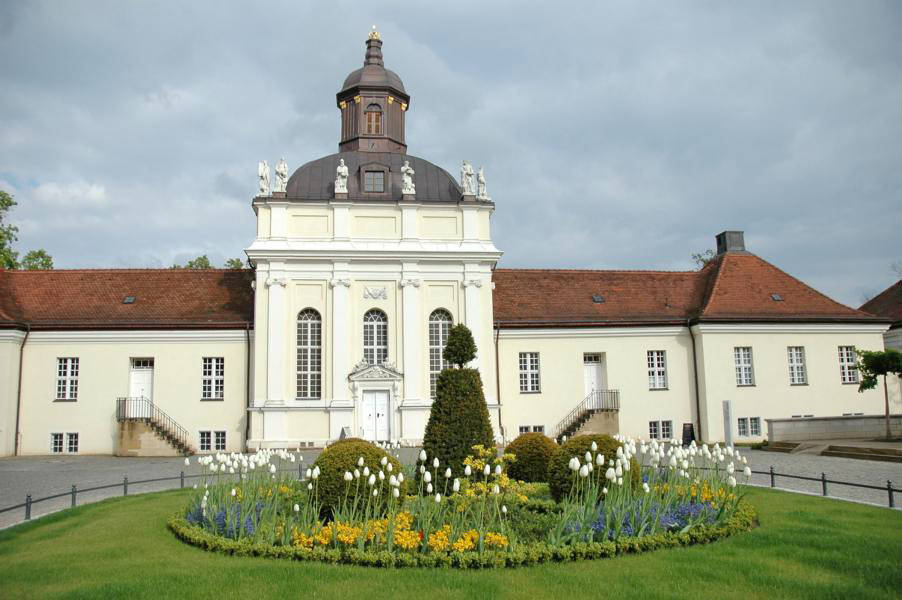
[(316, 179), (373, 76)]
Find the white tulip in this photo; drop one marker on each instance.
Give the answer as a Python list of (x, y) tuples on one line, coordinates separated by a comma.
[(497, 469), (375, 492), (371, 480), (435, 462), (297, 508), (685, 464), (422, 456), (611, 474), (645, 488), (456, 485), (496, 490), (584, 471), (620, 481), (309, 473), (393, 481), (626, 465), (448, 473), (594, 447), (619, 470), (599, 460), (620, 452), (429, 488), (401, 477), (272, 469), (187, 462), (427, 476), (233, 492), (381, 476), (588, 457), (604, 490), (730, 468), (231, 471), (467, 470), (195, 486), (747, 472), (315, 472), (309, 486), (732, 481), (573, 464), (356, 474), (438, 497), (422, 469), (366, 471), (395, 492), (348, 476), (673, 462), (389, 467), (487, 470), (360, 462), (383, 461), (504, 509)]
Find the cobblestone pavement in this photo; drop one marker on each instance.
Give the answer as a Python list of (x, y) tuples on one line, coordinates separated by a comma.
[(44, 476)]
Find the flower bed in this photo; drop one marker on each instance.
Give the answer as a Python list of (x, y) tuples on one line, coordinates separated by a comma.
[(483, 519)]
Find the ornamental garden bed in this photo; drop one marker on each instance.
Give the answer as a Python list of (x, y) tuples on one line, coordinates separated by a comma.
[(358, 504)]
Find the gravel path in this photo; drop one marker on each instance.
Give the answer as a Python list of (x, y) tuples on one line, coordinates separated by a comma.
[(44, 476)]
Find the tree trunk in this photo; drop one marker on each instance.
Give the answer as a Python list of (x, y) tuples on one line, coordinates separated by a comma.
[(889, 433)]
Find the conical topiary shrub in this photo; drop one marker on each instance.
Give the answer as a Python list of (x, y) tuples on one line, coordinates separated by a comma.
[(459, 418)]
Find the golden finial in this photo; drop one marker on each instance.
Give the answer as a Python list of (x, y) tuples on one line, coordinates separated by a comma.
[(374, 35)]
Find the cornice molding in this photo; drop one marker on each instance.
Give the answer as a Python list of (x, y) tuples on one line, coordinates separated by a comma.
[(11, 335), (138, 336), (590, 332), (878, 328)]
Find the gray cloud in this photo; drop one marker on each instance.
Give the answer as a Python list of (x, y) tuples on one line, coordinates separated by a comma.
[(614, 135)]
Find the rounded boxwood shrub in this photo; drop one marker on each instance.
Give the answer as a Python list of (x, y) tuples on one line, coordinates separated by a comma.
[(343, 456), (559, 475), (534, 452), (459, 418)]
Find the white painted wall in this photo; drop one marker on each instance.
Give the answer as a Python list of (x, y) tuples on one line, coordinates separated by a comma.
[(10, 342)]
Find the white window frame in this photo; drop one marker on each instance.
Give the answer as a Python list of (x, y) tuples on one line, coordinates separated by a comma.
[(524, 429), (205, 445), (57, 444), (848, 365), (745, 366), (742, 427), (309, 355), (72, 442), (798, 372), (754, 426), (657, 369), (530, 374), (538, 429), (67, 368), (654, 430), (219, 441), (375, 337), (212, 385), (440, 322), (666, 430)]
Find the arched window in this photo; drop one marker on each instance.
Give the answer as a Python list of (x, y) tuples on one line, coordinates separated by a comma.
[(310, 354), (439, 327), (373, 115), (375, 337)]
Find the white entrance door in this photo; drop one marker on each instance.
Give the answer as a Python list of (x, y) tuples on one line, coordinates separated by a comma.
[(140, 385), (592, 373), (374, 415)]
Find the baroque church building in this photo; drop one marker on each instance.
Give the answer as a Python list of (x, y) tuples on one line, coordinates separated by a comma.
[(362, 262)]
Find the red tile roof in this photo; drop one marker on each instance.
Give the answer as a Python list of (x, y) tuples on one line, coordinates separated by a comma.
[(887, 304), (735, 286), (164, 298)]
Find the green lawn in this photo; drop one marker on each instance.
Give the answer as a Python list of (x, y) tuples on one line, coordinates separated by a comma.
[(805, 547)]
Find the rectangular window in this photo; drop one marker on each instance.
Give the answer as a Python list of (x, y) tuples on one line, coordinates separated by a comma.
[(654, 431), (212, 382), (524, 429), (745, 375), (848, 364), (67, 378), (205, 441), (374, 181), (657, 370), (219, 440), (743, 427), (72, 443), (797, 374), (529, 372), (755, 426), (538, 429), (56, 443), (666, 430)]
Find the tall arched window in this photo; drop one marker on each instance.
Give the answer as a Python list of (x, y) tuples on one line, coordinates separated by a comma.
[(310, 353), (439, 327), (373, 115), (375, 337)]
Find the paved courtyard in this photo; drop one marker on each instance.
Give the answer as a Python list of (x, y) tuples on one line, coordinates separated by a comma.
[(44, 476)]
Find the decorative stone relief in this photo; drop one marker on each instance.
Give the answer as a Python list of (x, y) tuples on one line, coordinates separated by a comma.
[(481, 193), (375, 293), (467, 184), (407, 186), (410, 282), (337, 282), (281, 281), (263, 176), (341, 177), (282, 176), (473, 282)]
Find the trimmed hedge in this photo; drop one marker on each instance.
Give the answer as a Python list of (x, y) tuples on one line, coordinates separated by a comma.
[(534, 452), (342, 456), (458, 420), (745, 519), (560, 478)]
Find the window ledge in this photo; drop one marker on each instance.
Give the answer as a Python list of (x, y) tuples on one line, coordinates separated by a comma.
[(745, 385), (663, 389), (798, 384), (66, 400), (850, 382), (212, 399), (535, 392)]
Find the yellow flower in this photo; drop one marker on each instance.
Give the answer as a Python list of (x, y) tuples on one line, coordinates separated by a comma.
[(323, 537), (407, 539), (467, 541), (495, 539), (300, 540), (347, 534), (438, 540)]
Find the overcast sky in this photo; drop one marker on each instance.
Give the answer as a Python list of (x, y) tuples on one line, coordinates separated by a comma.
[(614, 135)]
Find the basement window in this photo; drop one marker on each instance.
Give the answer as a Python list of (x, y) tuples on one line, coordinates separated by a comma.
[(129, 300)]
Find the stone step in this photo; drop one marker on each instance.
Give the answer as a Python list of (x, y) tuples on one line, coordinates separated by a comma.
[(786, 447), (870, 450), (863, 456)]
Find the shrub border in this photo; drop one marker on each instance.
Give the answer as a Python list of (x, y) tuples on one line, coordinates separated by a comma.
[(745, 519)]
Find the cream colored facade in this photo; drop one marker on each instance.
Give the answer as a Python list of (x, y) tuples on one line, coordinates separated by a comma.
[(105, 368), (342, 260)]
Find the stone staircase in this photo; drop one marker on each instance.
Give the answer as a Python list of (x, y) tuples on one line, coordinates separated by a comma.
[(864, 453), (597, 413), (146, 430)]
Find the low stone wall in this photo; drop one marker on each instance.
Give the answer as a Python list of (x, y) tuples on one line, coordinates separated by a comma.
[(601, 422), (139, 439), (831, 428)]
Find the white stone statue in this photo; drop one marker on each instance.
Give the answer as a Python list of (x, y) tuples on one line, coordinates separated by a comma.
[(282, 176), (481, 193), (263, 174), (341, 178), (408, 188), (467, 184)]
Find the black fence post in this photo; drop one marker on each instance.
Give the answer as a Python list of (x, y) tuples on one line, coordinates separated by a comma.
[(772, 481), (181, 479), (300, 472), (74, 491), (27, 507), (125, 486), (889, 490), (824, 482)]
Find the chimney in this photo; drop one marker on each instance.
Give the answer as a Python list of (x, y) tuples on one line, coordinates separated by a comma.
[(730, 241)]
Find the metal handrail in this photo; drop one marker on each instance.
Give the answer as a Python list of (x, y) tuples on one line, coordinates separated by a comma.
[(143, 409), (596, 400)]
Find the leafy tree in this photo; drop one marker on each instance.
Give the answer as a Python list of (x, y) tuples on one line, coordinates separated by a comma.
[(9, 258), (37, 260), (701, 259), (234, 263), (873, 364), (459, 418), (201, 262)]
